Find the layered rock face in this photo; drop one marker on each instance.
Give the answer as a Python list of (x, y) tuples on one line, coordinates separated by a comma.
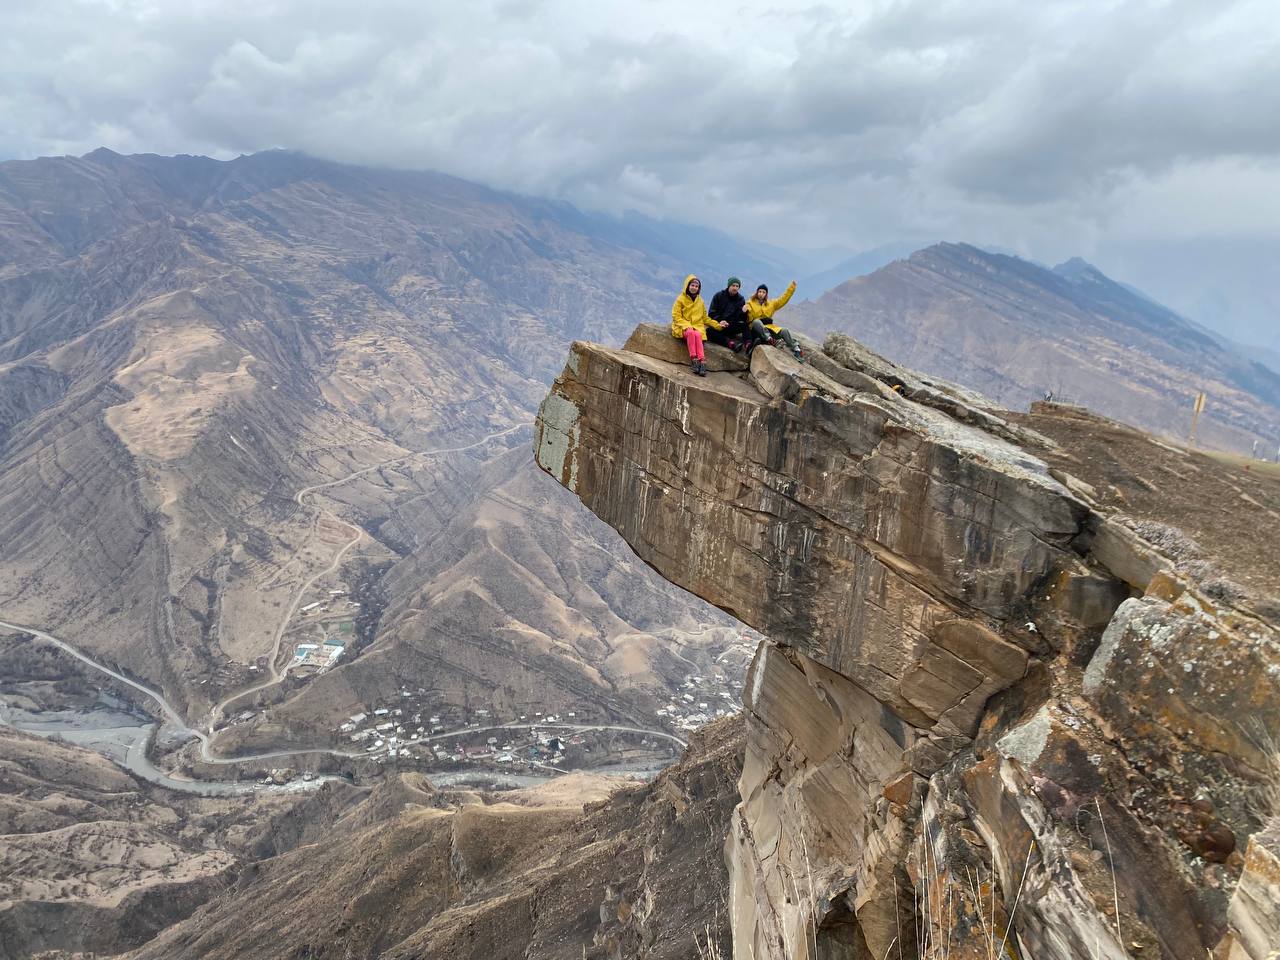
[(991, 720)]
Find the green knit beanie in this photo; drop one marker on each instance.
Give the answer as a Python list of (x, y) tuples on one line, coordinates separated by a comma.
[(732, 281)]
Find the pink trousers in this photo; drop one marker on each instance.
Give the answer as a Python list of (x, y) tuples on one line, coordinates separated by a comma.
[(693, 339)]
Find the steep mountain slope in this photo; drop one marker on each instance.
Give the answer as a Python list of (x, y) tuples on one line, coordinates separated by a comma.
[(94, 860), (98, 862), (506, 598), (587, 869), (189, 347), (1015, 331)]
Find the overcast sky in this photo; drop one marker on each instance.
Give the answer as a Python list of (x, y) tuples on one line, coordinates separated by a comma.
[(1050, 128)]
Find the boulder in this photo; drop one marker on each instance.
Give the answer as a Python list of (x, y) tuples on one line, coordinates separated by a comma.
[(651, 340)]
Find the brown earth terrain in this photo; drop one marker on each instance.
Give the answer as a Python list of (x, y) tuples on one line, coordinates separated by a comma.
[(231, 391), (97, 863), (1222, 513), (92, 859), (582, 867)]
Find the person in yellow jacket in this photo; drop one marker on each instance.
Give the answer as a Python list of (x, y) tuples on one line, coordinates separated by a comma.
[(760, 311), (689, 322)]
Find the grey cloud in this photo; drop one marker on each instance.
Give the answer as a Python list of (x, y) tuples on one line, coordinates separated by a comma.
[(1035, 126), (1129, 97)]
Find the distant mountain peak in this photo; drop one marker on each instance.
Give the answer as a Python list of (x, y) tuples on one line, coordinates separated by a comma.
[(964, 253), (1078, 269), (1074, 266), (1011, 327), (948, 248)]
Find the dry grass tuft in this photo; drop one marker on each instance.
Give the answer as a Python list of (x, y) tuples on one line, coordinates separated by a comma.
[(1266, 799), (708, 944)]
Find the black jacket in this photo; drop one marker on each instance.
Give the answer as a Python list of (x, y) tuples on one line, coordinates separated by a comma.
[(727, 307)]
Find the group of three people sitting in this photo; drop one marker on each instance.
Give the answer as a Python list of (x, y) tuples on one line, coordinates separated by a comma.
[(732, 321)]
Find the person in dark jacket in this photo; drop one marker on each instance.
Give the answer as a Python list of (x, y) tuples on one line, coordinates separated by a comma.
[(729, 307)]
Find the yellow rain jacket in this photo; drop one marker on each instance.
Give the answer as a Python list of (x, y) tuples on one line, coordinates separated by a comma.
[(686, 312), (765, 311)]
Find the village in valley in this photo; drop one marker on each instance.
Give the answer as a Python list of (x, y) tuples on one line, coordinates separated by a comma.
[(313, 657), (701, 700), (422, 729), (416, 726)]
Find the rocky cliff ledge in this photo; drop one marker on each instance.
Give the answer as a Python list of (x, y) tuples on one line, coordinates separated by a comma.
[(994, 718)]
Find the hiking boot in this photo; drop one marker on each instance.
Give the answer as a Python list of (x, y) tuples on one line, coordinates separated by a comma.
[(693, 364), (799, 354), (702, 368)]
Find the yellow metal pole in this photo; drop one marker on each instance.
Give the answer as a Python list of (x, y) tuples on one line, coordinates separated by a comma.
[(1195, 417)]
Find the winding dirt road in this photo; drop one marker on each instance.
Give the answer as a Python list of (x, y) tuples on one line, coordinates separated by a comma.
[(170, 714), (276, 673), (173, 717), (180, 725)]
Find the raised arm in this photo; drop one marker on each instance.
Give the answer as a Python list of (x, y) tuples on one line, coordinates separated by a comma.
[(779, 302)]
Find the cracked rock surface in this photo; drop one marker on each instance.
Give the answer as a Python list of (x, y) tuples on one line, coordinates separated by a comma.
[(991, 716)]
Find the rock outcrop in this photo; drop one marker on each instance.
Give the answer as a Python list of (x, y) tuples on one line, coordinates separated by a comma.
[(991, 718)]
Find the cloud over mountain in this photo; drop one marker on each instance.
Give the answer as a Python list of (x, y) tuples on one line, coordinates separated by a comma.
[(999, 102), (1052, 129)]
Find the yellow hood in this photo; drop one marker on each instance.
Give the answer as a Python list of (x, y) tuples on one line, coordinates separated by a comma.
[(689, 312)]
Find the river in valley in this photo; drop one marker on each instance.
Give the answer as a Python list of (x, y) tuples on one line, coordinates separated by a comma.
[(116, 730), (121, 732)]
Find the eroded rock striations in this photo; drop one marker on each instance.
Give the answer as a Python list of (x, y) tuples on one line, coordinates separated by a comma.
[(991, 716)]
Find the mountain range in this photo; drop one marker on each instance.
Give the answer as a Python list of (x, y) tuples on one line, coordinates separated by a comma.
[(187, 345), (228, 389), (1018, 331), (249, 404)]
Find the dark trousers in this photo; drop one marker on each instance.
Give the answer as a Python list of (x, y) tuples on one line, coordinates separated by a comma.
[(719, 337), (763, 334)]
